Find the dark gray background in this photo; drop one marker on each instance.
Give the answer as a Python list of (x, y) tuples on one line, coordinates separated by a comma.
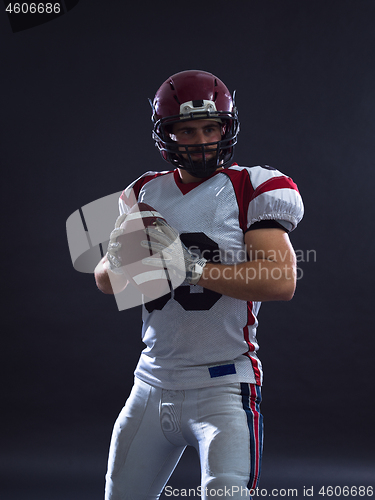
[(76, 127)]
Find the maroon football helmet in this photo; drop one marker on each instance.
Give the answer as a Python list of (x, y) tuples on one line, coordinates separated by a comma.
[(194, 95)]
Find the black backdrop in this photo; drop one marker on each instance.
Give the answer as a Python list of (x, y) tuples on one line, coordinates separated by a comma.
[(76, 127)]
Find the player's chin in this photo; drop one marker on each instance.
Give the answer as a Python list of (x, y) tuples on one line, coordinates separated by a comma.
[(200, 158)]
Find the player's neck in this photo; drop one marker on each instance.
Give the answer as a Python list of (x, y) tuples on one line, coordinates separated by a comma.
[(187, 178)]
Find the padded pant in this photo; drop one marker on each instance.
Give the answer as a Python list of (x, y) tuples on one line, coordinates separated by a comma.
[(223, 423)]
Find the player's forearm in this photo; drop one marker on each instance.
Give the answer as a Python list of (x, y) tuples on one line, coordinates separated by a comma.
[(106, 281), (259, 280)]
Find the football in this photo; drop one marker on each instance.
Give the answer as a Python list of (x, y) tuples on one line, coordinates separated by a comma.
[(151, 281)]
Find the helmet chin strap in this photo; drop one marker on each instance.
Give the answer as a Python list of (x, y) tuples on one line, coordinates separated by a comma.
[(199, 169)]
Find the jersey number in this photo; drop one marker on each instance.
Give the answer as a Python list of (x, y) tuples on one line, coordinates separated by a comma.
[(185, 296)]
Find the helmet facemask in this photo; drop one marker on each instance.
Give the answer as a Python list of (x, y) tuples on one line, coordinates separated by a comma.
[(179, 155)]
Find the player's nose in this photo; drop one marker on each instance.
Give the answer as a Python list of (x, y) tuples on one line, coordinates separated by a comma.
[(201, 137)]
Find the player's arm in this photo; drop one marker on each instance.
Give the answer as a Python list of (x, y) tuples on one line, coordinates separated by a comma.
[(107, 281), (270, 274)]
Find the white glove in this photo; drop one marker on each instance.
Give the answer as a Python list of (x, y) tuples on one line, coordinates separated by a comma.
[(175, 256), (114, 246)]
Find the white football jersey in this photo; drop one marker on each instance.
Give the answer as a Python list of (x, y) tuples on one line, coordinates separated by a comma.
[(196, 337)]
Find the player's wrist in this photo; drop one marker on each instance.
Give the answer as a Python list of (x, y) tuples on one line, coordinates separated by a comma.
[(195, 271), (113, 264), (114, 281)]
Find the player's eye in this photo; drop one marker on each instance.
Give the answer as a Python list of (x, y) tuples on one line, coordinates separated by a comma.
[(211, 130)]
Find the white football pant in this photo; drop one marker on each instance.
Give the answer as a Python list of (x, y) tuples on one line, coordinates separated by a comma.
[(223, 423)]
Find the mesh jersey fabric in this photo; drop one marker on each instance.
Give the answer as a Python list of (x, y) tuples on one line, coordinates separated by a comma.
[(195, 337)]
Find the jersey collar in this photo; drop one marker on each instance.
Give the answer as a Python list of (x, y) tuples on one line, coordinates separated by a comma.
[(186, 188)]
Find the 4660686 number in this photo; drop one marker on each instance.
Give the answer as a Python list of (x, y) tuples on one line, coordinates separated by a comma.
[(34, 8)]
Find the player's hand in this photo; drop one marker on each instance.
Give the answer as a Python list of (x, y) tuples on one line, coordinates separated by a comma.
[(175, 256), (114, 260)]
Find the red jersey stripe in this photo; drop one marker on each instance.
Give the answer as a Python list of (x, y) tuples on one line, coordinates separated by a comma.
[(254, 363), (138, 185), (275, 183), (243, 190)]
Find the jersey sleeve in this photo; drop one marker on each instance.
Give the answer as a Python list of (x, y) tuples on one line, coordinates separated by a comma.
[(127, 199), (129, 196), (274, 196)]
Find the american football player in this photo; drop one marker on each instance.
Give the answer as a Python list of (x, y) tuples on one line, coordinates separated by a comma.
[(198, 380)]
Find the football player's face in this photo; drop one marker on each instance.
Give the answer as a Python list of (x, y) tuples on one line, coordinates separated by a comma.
[(197, 132)]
